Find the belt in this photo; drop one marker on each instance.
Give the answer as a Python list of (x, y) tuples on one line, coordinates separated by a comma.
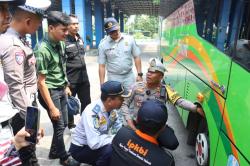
[(56, 89), (5, 123), (77, 144), (120, 73)]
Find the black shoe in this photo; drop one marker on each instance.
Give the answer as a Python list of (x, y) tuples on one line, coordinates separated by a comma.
[(53, 156), (69, 162), (71, 126)]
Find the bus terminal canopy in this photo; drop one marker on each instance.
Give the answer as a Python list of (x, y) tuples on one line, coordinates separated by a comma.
[(148, 7)]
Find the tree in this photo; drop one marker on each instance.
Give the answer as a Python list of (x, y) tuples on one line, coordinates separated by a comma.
[(146, 24)]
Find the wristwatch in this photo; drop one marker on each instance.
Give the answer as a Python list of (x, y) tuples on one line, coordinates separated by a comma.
[(140, 74)]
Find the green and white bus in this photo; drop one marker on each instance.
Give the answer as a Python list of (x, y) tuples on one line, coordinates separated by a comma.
[(205, 47)]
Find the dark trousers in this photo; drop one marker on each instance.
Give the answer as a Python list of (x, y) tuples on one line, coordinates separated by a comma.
[(59, 99), (83, 92), (98, 157), (17, 123)]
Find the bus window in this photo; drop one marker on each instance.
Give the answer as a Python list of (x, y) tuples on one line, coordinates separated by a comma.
[(206, 15), (218, 22), (242, 51)]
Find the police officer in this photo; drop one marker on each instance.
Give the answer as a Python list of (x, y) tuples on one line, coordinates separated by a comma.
[(92, 136), (76, 67), (52, 82), (17, 57), (141, 147), (116, 53), (5, 103), (7, 142), (154, 89)]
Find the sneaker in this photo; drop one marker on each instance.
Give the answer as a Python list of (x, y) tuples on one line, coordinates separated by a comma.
[(69, 162)]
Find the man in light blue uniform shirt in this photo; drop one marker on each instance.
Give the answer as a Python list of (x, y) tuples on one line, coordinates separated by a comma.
[(116, 54), (92, 137)]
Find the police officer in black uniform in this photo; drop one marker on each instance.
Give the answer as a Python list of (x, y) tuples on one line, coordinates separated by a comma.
[(140, 147), (76, 67)]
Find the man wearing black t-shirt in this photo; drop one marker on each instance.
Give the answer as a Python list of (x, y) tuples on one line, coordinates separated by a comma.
[(140, 147)]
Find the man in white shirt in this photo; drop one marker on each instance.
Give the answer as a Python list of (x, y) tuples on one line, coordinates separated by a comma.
[(92, 137)]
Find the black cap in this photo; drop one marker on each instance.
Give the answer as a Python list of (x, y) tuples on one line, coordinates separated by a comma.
[(110, 24), (73, 105), (152, 112), (58, 17), (14, 2), (114, 88)]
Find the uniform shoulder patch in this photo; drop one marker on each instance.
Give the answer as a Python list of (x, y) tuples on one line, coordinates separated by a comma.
[(96, 109), (173, 96), (19, 57)]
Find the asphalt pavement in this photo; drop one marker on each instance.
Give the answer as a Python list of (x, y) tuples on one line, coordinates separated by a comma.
[(184, 154)]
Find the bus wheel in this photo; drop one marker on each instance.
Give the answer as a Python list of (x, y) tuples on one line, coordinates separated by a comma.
[(202, 149)]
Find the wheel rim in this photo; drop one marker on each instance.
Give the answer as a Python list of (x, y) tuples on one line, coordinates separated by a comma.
[(201, 149)]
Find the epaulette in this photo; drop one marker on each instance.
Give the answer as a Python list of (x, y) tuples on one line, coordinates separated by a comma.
[(96, 109), (19, 43)]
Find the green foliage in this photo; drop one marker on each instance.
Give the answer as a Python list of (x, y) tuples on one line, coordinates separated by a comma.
[(139, 35), (143, 26)]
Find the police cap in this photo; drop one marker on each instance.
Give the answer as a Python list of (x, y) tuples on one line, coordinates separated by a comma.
[(114, 88), (36, 7), (156, 65), (58, 17), (14, 2), (152, 112), (110, 24)]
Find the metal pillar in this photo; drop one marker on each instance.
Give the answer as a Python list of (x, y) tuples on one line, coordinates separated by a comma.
[(66, 6), (109, 9), (99, 22), (37, 36), (117, 14), (222, 24), (89, 33), (236, 20), (80, 13), (121, 22)]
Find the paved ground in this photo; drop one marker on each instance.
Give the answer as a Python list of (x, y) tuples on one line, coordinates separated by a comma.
[(184, 155)]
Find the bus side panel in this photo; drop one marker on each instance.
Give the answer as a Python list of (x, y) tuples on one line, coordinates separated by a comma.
[(175, 77), (238, 109), (224, 157), (211, 107)]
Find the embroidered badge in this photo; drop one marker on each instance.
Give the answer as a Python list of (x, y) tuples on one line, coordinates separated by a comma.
[(96, 123), (19, 56), (112, 116), (110, 25), (102, 121)]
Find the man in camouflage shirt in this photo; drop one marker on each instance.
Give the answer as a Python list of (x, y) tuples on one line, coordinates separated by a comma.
[(154, 89)]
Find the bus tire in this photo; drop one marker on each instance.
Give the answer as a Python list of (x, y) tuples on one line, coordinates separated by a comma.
[(202, 149)]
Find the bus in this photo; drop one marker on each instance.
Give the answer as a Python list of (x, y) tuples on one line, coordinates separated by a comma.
[(205, 46)]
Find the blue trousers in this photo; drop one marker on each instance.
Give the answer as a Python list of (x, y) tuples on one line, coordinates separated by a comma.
[(97, 157)]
